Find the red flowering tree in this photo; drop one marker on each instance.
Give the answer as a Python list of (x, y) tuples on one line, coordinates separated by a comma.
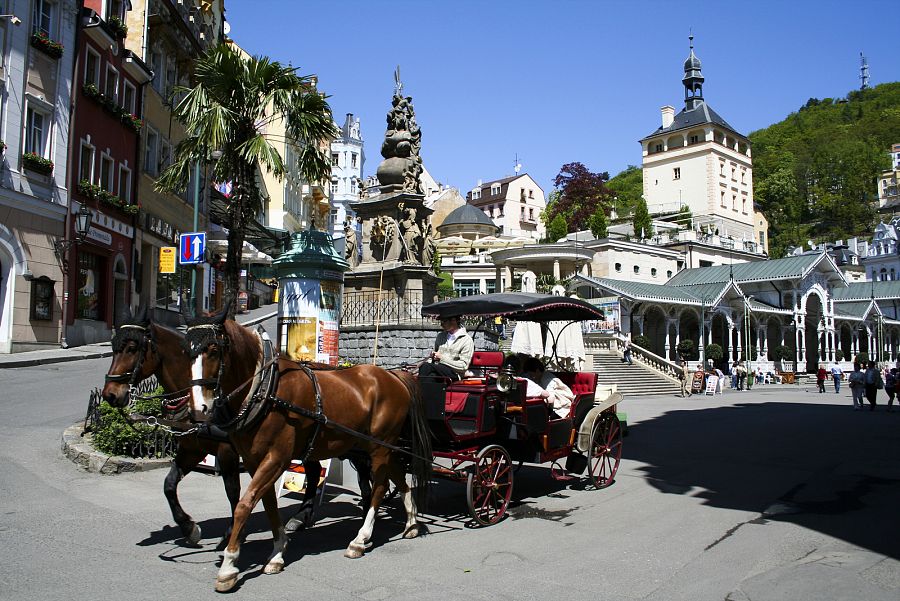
[(582, 194)]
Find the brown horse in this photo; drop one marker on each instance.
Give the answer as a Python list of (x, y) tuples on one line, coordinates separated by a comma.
[(142, 348), (308, 417)]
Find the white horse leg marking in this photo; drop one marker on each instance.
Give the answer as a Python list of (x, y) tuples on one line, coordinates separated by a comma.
[(276, 561), (228, 569), (199, 394), (412, 526), (358, 545)]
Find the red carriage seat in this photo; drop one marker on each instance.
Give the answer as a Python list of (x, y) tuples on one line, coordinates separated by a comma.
[(487, 361)]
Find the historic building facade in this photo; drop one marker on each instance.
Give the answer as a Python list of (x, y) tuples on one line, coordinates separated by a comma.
[(514, 204), (697, 160), (37, 44)]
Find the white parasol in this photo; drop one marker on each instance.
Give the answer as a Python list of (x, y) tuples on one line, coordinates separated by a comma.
[(570, 353), (249, 253), (527, 338)]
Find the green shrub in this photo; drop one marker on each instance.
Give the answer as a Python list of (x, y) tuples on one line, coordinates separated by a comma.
[(116, 436), (687, 350), (641, 341), (714, 351), (783, 353), (862, 358), (838, 354)]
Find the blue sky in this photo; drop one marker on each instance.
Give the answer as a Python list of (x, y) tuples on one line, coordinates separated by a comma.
[(562, 81)]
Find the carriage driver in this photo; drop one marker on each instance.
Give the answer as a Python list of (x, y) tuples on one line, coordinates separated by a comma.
[(453, 349)]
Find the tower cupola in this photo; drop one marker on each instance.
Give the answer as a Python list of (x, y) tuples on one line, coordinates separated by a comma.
[(693, 80)]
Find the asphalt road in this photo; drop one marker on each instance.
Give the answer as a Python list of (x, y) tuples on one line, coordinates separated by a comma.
[(771, 494)]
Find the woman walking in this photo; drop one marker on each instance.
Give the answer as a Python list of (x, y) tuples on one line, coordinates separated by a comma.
[(820, 378)]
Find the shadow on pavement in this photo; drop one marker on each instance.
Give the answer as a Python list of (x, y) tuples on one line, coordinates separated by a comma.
[(823, 467)]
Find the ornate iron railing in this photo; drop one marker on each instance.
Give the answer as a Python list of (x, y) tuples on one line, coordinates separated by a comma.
[(386, 308)]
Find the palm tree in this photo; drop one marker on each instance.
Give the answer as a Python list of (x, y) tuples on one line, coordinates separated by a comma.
[(233, 99)]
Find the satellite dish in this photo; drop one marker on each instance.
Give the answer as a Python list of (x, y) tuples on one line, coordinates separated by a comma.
[(226, 28), (811, 243)]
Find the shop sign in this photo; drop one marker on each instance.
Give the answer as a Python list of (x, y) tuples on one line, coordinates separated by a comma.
[(167, 259), (161, 228), (99, 235)]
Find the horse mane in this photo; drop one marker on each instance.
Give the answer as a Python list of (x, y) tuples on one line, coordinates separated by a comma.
[(125, 335)]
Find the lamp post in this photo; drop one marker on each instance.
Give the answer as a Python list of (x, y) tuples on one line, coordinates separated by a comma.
[(747, 346), (61, 249)]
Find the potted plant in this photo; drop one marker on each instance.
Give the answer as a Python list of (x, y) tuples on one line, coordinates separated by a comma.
[(120, 29), (42, 42), (37, 163)]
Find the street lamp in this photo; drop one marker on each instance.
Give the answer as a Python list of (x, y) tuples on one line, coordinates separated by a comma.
[(747, 346), (82, 226), (12, 19)]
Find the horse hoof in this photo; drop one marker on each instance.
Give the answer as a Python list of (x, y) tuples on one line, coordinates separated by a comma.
[(354, 551), (273, 567), (223, 585), (293, 525), (196, 534), (413, 532)]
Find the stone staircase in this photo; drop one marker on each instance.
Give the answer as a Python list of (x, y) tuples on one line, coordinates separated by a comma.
[(632, 380)]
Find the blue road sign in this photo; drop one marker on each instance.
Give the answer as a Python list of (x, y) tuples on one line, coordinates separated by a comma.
[(191, 248)]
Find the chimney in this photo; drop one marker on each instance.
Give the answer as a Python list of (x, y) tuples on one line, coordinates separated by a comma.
[(668, 115)]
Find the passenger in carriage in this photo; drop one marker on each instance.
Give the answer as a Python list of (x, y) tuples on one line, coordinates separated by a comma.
[(546, 385), (453, 350)]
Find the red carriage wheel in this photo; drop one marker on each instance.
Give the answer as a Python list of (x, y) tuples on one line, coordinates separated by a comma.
[(606, 450), (490, 485)]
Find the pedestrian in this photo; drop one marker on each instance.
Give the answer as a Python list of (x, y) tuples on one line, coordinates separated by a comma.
[(721, 383), (760, 378), (626, 352), (837, 374), (741, 376), (734, 375), (821, 374), (857, 380), (685, 379), (873, 384), (890, 387)]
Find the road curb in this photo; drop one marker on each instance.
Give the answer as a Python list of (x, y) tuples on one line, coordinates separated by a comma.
[(260, 319), (78, 449), (10, 362)]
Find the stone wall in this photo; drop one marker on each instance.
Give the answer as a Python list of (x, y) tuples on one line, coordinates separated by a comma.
[(397, 343)]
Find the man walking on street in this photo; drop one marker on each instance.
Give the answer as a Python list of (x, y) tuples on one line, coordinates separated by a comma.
[(837, 374), (856, 380), (685, 379)]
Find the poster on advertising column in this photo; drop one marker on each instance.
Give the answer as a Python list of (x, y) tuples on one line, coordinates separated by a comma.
[(308, 325)]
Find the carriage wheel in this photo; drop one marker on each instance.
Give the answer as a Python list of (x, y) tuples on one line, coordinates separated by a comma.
[(606, 450), (489, 486)]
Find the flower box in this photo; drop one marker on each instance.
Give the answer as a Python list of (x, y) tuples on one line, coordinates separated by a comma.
[(132, 209), (37, 163), (118, 26), (132, 121), (42, 42)]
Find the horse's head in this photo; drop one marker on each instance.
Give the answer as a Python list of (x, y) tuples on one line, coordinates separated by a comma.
[(206, 343), (134, 356)]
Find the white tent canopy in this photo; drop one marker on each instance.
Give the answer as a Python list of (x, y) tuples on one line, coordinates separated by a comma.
[(527, 338), (249, 253)]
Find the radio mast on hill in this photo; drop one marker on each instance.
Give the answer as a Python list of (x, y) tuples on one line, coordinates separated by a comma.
[(863, 72)]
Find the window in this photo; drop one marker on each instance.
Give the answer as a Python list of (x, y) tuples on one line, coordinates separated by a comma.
[(637, 269), (156, 65), (734, 202), (86, 163), (676, 173), (744, 205), (89, 283), (151, 151), (658, 148), (92, 67), (467, 287), (129, 97), (495, 189), (112, 83), (106, 172), (171, 75), (353, 160), (743, 176), (733, 170), (334, 187), (165, 155), (722, 199), (37, 133), (125, 184), (669, 273), (694, 139), (531, 194), (722, 169), (42, 18), (618, 267), (335, 159), (522, 212), (476, 194), (531, 213), (762, 239), (353, 184), (114, 9)]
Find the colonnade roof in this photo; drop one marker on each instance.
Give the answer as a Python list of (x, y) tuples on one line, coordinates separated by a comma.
[(788, 268), (708, 294), (858, 310), (887, 289)]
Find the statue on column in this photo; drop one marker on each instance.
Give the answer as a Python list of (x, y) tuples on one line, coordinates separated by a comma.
[(412, 237), (428, 247), (351, 252), (402, 165), (382, 238)]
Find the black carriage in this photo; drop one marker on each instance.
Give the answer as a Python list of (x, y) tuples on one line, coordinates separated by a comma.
[(485, 423)]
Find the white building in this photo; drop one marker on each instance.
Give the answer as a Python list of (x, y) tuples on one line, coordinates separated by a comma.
[(514, 204), (347, 159), (696, 159), (888, 190), (37, 42)]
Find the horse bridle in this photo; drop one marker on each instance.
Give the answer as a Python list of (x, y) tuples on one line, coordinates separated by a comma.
[(131, 377), (221, 339)]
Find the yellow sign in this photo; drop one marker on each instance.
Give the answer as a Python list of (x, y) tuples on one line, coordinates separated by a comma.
[(167, 259)]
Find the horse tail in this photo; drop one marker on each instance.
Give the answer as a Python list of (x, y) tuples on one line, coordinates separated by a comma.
[(420, 438)]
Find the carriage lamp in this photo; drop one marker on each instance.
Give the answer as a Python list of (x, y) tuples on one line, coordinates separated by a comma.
[(82, 226), (506, 381)]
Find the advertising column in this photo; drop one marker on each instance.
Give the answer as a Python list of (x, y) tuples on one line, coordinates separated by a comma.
[(310, 282)]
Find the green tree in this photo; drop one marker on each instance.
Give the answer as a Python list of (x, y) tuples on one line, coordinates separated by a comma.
[(228, 109), (557, 229), (627, 188), (642, 221), (599, 224)]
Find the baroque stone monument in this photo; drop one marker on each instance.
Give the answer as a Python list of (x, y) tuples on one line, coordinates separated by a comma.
[(386, 289)]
